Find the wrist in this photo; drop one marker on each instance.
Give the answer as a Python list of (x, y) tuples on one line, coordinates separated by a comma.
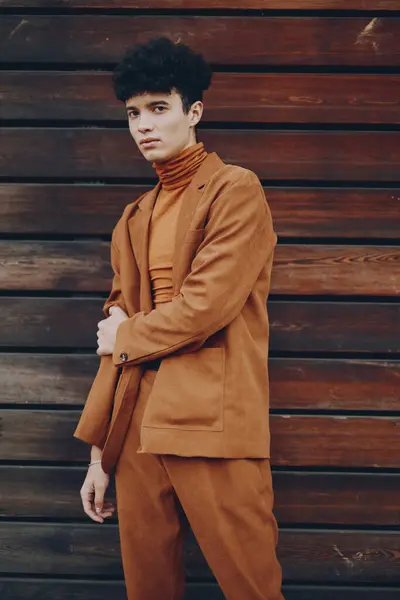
[(95, 453)]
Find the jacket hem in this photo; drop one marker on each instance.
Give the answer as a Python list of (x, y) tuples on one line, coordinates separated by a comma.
[(202, 444)]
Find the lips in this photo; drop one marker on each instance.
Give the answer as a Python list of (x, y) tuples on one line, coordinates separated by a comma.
[(148, 142)]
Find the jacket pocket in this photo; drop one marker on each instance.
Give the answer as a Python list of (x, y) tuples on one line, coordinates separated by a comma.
[(188, 392)]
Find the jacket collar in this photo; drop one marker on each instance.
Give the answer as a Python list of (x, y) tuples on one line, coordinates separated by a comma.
[(139, 224), (204, 173)]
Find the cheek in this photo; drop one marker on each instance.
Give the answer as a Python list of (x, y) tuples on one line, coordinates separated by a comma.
[(132, 129)]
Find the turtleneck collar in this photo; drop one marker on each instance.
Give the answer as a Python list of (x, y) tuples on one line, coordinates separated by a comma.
[(179, 171)]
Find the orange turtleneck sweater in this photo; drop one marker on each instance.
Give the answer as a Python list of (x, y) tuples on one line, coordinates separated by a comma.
[(175, 175)]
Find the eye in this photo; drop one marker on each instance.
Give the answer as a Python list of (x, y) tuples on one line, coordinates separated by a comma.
[(132, 114), (161, 108)]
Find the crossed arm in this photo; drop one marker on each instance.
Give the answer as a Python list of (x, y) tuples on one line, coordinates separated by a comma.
[(238, 240)]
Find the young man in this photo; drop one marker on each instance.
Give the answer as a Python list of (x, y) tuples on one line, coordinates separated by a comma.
[(179, 405)]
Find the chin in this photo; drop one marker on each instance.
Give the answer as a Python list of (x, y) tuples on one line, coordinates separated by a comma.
[(153, 155)]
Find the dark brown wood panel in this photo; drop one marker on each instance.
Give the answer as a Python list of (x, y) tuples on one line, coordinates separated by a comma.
[(381, 5), (305, 555), (83, 266), (295, 383), (301, 383), (334, 441), (334, 327), (308, 40), (100, 153), (296, 326), (300, 497), (330, 555), (336, 270), (68, 589), (50, 322), (297, 212), (268, 98), (63, 379)]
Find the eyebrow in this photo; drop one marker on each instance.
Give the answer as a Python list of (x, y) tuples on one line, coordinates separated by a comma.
[(150, 104)]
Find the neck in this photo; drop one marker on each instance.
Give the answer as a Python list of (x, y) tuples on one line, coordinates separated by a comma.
[(179, 170)]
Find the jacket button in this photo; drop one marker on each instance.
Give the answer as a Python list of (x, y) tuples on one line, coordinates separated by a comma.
[(123, 357)]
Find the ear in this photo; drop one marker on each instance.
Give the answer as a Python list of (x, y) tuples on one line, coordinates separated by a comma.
[(196, 112)]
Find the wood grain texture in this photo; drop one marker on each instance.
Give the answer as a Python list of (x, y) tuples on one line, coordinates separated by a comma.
[(233, 97), (226, 40), (369, 213), (83, 266), (297, 440), (334, 327), (318, 384), (305, 555), (342, 5), (295, 326), (295, 383), (300, 497), (68, 589), (292, 155), (46, 379)]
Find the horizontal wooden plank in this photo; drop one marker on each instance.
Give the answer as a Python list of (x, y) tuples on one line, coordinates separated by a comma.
[(63, 379), (83, 266), (298, 383), (342, 5), (321, 556), (297, 212), (292, 155), (226, 40), (305, 555), (295, 326), (300, 497), (59, 589), (295, 383), (336, 270), (334, 327), (68, 589), (240, 97), (297, 440)]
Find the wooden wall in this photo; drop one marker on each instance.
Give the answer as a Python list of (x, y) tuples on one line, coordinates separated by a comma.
[(306, 93)]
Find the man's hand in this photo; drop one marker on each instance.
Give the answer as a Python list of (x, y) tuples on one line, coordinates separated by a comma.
[(92, 494), (107, 330)]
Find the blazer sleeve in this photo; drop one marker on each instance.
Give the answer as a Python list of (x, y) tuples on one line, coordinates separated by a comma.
[(239, 239), (93, 425)]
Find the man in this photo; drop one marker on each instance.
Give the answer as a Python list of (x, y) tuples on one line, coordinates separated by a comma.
[(179, 405)]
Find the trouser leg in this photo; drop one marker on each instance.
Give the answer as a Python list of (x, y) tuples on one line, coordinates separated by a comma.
[(149, 525), (229, 504)]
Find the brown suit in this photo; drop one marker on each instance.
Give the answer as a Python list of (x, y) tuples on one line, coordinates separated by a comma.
[(209, 397)]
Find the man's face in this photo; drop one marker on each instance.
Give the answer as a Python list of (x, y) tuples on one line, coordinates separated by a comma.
[(160, 117)]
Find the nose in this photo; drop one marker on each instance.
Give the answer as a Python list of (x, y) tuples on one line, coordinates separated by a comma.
[(144, 124)]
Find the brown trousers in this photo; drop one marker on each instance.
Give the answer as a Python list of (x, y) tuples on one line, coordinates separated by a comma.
[(228, 503)]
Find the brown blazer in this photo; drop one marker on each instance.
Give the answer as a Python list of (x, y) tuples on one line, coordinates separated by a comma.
[(210, 396)]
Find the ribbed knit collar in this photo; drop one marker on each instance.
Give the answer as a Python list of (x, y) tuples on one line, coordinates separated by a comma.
[(179, 171)]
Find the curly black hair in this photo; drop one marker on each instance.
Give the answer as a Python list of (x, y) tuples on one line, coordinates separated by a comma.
[(162, 66)]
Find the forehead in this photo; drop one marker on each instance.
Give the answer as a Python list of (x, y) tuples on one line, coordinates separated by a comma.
[(148, 99)]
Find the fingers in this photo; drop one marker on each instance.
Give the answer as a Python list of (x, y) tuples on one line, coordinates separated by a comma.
[(115, 309), (87, 495), (99, 498)]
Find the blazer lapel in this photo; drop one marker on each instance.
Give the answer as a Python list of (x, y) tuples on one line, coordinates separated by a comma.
[(139, 225), (189, 204)]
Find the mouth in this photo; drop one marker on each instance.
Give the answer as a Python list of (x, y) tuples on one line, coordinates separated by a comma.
[(149, 143)]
